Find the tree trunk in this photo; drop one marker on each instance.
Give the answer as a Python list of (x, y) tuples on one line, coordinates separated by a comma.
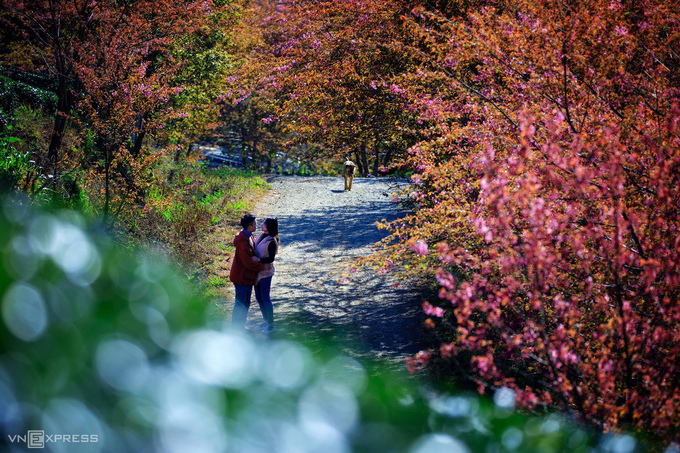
[(357, 159), (178, 152), (269, 163), (60, 115), (388, 157), (107, 195), (364, 159), (139, 138), (255, 155), (244, 147), (376, 162), (138, 144)]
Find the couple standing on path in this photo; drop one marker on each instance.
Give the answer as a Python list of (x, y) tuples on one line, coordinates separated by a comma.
[(253, 266)]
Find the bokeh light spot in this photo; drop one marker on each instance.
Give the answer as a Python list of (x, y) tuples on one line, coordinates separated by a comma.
[(122, 365), (216, 358), (505, 398), (328, 404), (348, 371), (512, 438), (439, 443), (284, 364), (24, 312)]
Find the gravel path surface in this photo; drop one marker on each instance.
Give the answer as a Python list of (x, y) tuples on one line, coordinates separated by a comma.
[(322, 227)]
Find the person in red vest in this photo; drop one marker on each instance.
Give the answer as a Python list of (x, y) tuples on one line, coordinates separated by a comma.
[(244, 270)]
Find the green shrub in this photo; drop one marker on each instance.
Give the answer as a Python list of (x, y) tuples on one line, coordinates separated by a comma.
[(13, 164), (214, 280), (14, 94), (97, 342)]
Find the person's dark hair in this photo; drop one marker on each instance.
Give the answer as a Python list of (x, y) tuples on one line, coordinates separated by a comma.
[(272, 226), (247, 220)]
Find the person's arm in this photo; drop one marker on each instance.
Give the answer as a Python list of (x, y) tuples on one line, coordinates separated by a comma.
[(272, 253), (244, 255)]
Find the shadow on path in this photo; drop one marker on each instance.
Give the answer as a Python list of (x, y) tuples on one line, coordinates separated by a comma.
[(321, 229)]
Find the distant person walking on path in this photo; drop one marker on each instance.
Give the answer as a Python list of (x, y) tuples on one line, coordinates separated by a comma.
[(244, 270), (266, 246)]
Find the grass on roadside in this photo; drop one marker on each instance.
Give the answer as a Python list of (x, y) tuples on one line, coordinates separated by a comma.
[(192, 212)]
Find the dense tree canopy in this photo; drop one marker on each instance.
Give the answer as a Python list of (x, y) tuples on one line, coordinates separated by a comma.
[(120, 69), (327, 70), (541, 139), (551, 190), (545, 153)]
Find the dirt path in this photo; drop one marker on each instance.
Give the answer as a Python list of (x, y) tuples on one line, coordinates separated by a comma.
[(322, 227)]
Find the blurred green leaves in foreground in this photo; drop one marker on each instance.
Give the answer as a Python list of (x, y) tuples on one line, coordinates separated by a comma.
[(103, 351)]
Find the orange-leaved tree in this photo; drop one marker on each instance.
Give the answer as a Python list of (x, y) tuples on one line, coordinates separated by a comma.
[(550, 194), (328, 69), (128, 72), (119, 73)]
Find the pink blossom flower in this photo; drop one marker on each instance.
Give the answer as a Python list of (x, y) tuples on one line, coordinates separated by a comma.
[(423, 356), (446, 280), (447, 350), (431, 310), (395, 89), (420, 247)]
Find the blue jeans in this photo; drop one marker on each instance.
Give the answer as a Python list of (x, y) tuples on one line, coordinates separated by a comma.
[(241, 305), (262, 290)]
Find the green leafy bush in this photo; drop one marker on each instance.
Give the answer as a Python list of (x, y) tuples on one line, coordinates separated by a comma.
[(13, 163), (96, 342), (16, 93)]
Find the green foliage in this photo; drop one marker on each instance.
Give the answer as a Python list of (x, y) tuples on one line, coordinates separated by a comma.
[(31, 125), (214, 194), (138, 76), (14, 94), (214, 280), (207, 60), (13, 164), (187, 201), (108, 344)]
